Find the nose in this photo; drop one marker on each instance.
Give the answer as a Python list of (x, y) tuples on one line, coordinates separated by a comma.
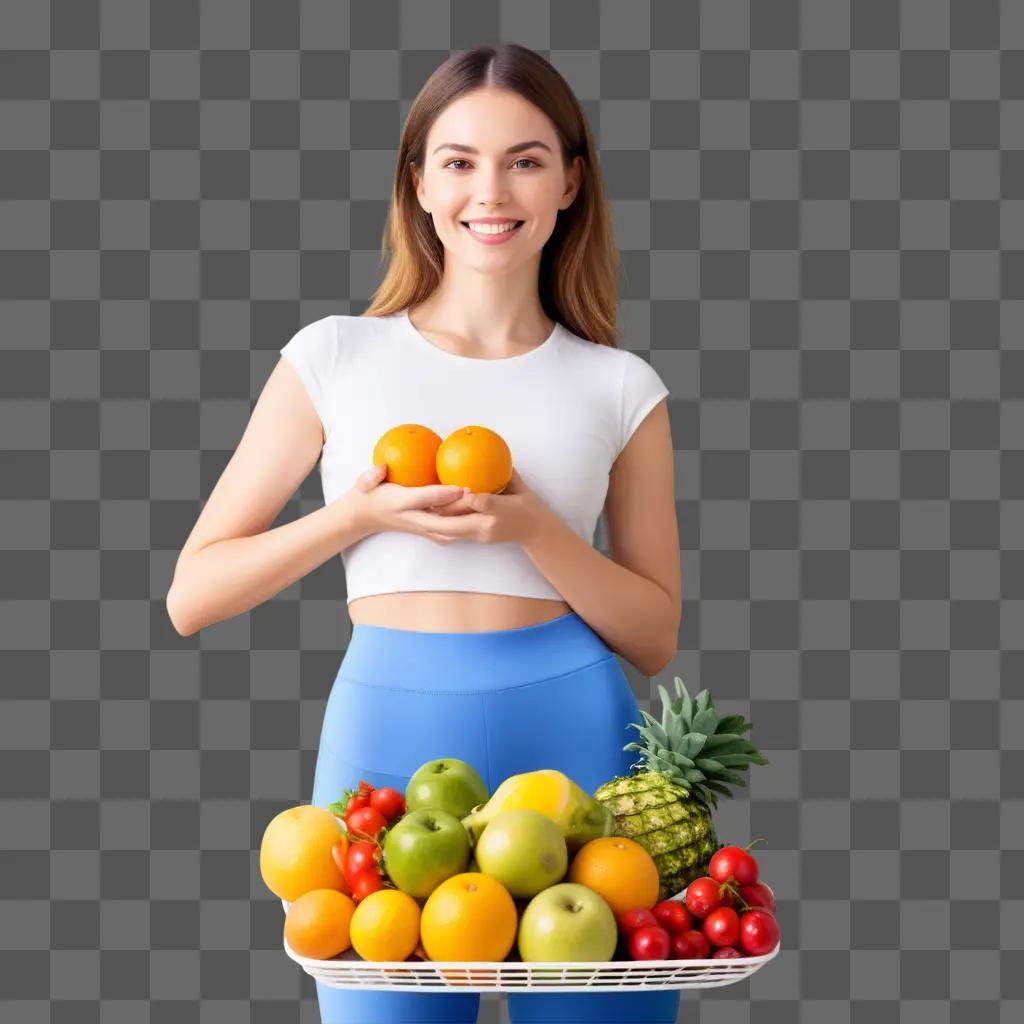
[(492, 187)]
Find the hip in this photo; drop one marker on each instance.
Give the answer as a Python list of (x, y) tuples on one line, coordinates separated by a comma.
[(548, 695)]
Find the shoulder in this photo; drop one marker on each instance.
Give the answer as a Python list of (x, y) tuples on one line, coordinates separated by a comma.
[(331, 337), (613, 360), (617, 364)]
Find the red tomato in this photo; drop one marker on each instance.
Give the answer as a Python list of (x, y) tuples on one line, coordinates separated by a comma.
[(758, 895), (673, 916), (703, 896), (361, 855), (365, 789), (759, 932), (355, 802), (733, 862), (364, 882), (365, 822), (691, 945), (635, 917), (649, 943), (388, 801), (727, 953), (722, 927)]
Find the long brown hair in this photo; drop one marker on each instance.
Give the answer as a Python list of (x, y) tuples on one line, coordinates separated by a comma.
[(579, 263)]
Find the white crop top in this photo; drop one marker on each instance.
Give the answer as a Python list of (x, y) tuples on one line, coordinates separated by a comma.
[(566, 409)]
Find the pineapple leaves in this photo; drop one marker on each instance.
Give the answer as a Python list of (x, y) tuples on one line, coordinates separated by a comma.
[(710, 766), (681, 760), (690, 745), (739, 760), (733, 723), (728, 743), (681, 690), (703, 701), (654, 733), (705, 722)]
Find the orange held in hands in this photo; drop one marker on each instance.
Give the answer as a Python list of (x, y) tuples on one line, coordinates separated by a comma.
[(317, 924), (475, 457), (409, 451)]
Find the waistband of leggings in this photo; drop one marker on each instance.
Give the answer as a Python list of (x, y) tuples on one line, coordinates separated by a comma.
[(416, 659)]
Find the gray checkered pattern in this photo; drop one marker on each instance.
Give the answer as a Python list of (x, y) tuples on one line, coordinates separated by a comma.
[(820, 207)]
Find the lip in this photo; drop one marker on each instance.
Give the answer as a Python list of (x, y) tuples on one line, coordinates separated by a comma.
[(498, 239)]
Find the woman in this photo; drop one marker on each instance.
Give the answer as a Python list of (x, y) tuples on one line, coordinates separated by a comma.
[(484, 625)]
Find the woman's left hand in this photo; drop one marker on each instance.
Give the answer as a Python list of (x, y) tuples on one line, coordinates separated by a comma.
[(516, 514)]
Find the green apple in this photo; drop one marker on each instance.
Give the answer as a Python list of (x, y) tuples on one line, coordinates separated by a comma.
[(423, 848), (567, 922), (524, 850), (447, 784)]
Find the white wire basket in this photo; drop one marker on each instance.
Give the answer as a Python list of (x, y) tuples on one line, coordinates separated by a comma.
[(349, 970)]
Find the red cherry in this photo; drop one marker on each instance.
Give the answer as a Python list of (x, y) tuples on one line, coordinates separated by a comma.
[(727, 953), (691, 945), (673, 916), (758, 895), (702, 896), (635, 917), (733, 862), (650, 943), (722, 927), (759, 932)]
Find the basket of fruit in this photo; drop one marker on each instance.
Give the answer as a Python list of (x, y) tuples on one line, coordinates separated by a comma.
[(538, 886)]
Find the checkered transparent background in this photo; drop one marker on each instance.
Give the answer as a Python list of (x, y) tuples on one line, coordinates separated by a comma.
[(820, 207)]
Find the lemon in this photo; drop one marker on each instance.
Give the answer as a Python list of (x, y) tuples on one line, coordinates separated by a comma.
[(385, 925)]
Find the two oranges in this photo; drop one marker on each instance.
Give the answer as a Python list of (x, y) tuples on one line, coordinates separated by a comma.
[(475, 457), (300, 854)]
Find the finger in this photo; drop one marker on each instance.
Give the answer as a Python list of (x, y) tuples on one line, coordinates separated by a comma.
[(456, 508), (372, 476), (438, 494)]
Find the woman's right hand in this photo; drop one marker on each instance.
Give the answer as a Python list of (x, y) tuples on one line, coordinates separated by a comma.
[(379, 505)]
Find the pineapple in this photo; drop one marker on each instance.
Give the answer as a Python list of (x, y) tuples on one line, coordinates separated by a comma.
[(666, 805)]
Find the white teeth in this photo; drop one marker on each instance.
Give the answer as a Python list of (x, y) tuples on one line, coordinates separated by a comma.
[(492, 229)]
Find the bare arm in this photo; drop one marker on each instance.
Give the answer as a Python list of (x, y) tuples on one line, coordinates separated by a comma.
[(632, 600), (231, 561)]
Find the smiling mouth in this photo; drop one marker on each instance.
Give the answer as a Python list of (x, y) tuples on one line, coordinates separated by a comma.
[(515, 227)]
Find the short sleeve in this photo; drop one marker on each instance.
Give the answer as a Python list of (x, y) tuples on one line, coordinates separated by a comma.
[(312, 353), (642, 389)]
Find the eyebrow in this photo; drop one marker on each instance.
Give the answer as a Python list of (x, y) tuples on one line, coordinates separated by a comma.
[(517, 148)]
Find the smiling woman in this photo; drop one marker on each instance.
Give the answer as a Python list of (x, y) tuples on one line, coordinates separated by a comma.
[(485, 625)]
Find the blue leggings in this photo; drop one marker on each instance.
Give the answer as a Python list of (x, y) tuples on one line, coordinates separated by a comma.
[(506, 701)]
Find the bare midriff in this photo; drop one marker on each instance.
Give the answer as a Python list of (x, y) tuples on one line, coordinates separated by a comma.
[(453, 611)]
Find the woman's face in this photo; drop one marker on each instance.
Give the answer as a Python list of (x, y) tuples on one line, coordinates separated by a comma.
[(529, 185)]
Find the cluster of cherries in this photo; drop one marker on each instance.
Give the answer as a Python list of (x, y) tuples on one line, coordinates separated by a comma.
[(728, 909), (369, 810)]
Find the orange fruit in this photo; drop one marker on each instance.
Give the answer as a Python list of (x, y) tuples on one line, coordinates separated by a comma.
[(475, 457), (618, 869), (386, 925), (295, 853), (410, 453), (469, 916), (317, 923)]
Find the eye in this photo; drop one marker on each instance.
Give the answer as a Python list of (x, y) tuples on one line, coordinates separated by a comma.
[(460, 160)]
